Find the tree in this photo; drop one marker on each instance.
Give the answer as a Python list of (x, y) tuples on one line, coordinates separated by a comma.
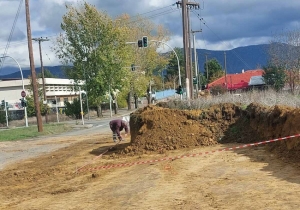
[(202, 80), (93, 50), (147, 60), (284, 52), (215, 70), (74, 109), (30, 101), (98, 40), (274, 76), (172, 67)]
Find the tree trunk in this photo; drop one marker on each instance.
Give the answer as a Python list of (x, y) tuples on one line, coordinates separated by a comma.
[(99, 111), (116, 105), (129, 101), (136, 101)]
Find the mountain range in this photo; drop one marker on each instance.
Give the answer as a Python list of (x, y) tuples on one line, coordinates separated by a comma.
[(238, 59)]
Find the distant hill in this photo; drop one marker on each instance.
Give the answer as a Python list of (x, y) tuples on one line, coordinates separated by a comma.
[(57, 71), (249, 57)]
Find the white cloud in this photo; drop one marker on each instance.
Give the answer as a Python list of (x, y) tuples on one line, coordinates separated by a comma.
[(226, 24)]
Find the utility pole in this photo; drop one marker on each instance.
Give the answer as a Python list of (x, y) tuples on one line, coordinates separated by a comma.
[(33, 73), (195, 60), (190, 54), (185, 45), (186, 34), (206, 66), (199, 75), (41, 39)]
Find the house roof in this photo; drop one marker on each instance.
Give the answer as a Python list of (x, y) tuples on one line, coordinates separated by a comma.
[(237, 81)]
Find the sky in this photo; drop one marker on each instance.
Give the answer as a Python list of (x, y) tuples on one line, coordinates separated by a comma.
[(225, 24)]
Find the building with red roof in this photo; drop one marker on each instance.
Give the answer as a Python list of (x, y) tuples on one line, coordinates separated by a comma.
[(242, 80)]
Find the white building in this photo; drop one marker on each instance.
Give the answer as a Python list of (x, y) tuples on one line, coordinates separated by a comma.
[(63, 89)]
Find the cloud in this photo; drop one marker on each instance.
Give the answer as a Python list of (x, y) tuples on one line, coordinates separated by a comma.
[(225, 24)]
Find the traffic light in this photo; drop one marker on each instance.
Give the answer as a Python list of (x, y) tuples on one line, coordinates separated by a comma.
[(145, 41), (195, 80), (140, 43), (3, 103), (132, 67), (179, 90), (23, 102)]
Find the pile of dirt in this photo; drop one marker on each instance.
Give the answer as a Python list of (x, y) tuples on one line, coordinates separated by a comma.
[(156, 129)]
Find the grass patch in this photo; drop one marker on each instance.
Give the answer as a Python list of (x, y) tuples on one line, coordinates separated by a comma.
[(32, 131)]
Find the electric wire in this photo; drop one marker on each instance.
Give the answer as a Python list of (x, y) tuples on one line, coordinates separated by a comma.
[(133, 21), (11, 33), (238, 56)]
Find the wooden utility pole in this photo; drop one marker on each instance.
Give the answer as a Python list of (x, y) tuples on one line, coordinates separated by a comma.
[(33, 73), (186, 34), (190, 54), (196, 61), (41, 39), (185, 46)]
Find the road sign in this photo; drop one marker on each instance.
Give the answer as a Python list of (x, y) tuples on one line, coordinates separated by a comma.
[(23, 93)]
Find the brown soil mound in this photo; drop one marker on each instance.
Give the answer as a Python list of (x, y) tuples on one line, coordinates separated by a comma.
[(158, 128)]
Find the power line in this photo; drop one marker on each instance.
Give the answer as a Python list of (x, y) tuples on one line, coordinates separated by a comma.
[(155, 10), (11, 32), (133, 21), (238, 56), (151, 16)]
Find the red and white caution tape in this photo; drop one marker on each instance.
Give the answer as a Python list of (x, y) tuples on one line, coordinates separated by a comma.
[(185, 156)]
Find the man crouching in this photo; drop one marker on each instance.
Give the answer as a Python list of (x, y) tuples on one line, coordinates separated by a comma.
[(116, 127)]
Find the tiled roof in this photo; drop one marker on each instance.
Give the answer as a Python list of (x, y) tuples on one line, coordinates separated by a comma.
[(237, 81)]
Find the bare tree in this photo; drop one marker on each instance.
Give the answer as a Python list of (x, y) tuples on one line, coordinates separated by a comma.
[(284, 51)]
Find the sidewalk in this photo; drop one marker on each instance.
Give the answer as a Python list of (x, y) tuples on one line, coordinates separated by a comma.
[(106, 114)]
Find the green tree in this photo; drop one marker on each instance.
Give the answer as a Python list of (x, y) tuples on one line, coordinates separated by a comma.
[(2, 117), (172, 67), (93, 49), (214, 70), (147, 60), (74, 109), (30, 101), (274, 76)]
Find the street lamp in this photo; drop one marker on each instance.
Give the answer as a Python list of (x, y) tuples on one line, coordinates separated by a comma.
[(179, 76), (25, 108)]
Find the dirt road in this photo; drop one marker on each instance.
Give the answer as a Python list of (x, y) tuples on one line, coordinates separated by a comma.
[(249, 178)]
